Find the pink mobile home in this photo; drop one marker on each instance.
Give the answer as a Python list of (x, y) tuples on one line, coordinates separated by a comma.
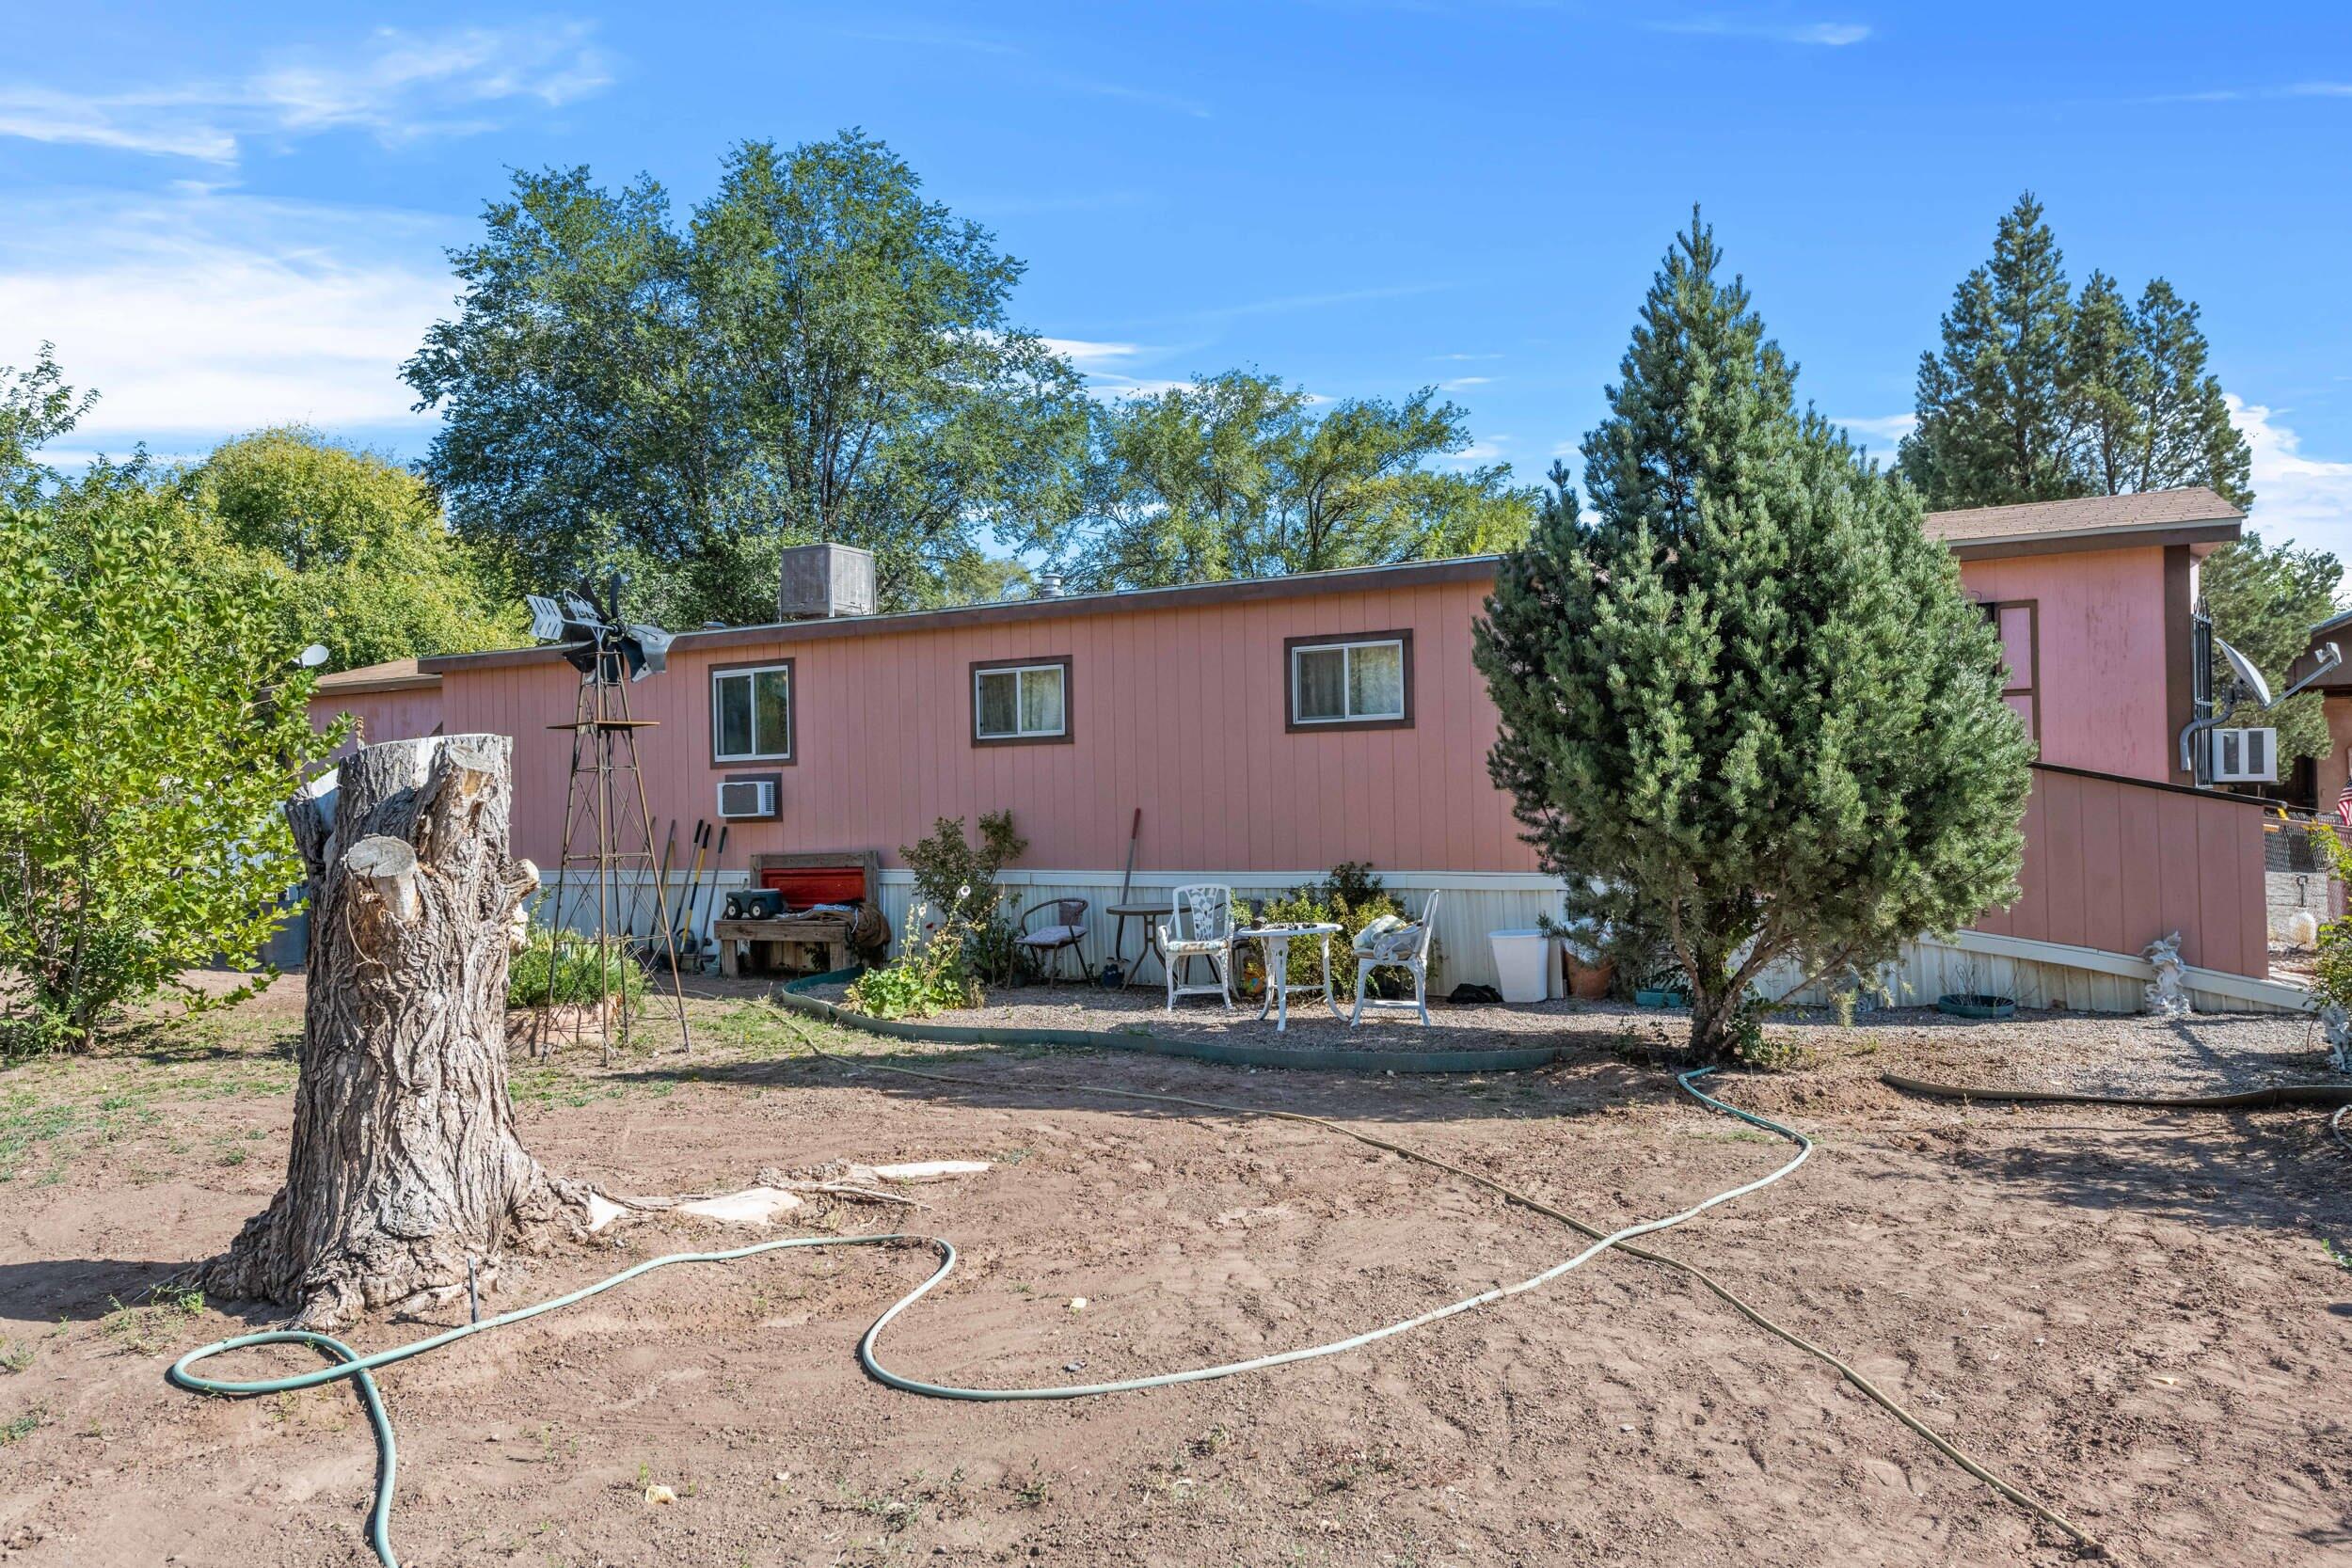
[(1270, 729)]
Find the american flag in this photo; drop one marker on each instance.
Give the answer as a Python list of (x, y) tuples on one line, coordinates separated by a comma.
[(2343, 804)]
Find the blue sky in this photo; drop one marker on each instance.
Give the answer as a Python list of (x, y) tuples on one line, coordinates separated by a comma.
[(227, 216)]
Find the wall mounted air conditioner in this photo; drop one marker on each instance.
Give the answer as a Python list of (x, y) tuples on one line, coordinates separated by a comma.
[(2244, 757), (751, 798)]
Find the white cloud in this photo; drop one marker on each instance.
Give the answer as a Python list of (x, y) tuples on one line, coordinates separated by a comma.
[(398, 87), (1091, 357), (2307, 500), (1879, 432), (1830, 35), (200, 317), (1463, 383)]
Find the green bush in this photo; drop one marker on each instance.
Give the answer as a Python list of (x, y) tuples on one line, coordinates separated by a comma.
[(1352, 898), (538, 976), (958, 878), (2331, 966), (932, 975), (151, 725)]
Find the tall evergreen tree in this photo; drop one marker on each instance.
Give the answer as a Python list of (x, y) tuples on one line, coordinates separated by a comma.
[(1747, 707), (2040, 395), (1997, 407)]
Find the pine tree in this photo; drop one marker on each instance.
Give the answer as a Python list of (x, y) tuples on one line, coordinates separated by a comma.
[(1747, 707), (2040, 395), (1998, 408)]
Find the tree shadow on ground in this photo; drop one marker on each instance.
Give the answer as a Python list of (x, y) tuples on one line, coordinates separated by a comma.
[(2268, 1169), (1591, 1080)]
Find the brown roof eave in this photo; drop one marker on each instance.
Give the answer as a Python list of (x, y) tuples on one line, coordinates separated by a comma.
[(2012, 547), (1476, 568), (322, 691)]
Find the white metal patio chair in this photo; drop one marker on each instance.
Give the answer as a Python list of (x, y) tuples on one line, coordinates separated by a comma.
[(1199, 926), (1405, 947)]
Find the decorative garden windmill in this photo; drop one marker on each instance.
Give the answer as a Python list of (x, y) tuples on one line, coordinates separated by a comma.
[(608, 828)]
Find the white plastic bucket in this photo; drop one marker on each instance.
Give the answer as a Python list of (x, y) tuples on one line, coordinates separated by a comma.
[(1522, 964)]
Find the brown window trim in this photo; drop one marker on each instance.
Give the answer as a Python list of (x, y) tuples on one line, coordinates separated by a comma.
[(791, 712), (1069, 701), (2032, 608), (1291, 645)]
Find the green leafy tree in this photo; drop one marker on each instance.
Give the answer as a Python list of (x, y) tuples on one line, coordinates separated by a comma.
[(355, 548), (36, 407), (2037, 395), (151, 723), (1748, 704), (819, 354), (2265, 602), (1239, 475)]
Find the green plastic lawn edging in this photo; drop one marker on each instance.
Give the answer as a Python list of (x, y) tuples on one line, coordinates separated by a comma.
[(1321, 1057)]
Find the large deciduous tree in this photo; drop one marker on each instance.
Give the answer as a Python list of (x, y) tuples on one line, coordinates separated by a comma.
[(356, 543), (1241, 475), (819, 354), (1748, 706), (2038, 394)]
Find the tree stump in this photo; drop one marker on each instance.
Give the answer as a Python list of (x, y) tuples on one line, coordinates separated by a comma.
[(406, 1162)]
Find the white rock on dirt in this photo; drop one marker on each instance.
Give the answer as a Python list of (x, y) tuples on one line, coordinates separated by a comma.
[(752, 1205)]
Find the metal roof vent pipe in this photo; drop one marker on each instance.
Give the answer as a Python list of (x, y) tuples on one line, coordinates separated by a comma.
[(821, 582), (1048, 585)]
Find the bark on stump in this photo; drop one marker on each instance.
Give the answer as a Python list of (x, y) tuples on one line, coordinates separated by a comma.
[(406, 1162)]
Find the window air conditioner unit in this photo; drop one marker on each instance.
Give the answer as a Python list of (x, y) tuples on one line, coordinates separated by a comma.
[(753, 799), (2244, 757)]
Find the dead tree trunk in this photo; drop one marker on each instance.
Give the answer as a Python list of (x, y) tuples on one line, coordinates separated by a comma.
[(406, 1162)]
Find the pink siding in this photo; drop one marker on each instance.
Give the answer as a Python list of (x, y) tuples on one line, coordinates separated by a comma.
[(401, 715), (1178, 711), (2114, 863), (2100, 685)]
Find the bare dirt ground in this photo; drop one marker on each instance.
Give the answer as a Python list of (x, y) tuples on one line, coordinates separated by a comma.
[(2134, 1312)]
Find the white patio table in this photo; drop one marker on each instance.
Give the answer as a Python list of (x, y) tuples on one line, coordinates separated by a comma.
[(1276, 938)]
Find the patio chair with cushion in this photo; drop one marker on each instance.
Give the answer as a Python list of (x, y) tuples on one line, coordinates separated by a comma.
[(1199, 926), (1391, 943), (1047, 943)]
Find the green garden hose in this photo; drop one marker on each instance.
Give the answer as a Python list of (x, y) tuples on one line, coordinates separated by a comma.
[(344, 1363)]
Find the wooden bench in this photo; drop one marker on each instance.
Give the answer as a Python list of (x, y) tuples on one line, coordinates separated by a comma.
[(802, 941)]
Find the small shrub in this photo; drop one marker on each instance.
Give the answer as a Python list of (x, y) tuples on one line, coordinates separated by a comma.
[(537, 975), (932, 975), (1352, 898), (958, 877)]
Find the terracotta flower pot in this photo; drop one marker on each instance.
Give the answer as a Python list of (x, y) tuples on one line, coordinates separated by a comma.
[(1590, 982)]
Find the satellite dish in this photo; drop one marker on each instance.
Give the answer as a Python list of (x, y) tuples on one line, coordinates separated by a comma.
[(2249, 678), (312, 657)]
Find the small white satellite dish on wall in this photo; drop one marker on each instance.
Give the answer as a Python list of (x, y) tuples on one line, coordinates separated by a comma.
[(312, 657), (2249, 678)]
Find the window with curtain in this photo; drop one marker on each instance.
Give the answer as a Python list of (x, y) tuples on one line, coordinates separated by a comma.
[(1339, 682), (751, 713), (1016, 702)]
